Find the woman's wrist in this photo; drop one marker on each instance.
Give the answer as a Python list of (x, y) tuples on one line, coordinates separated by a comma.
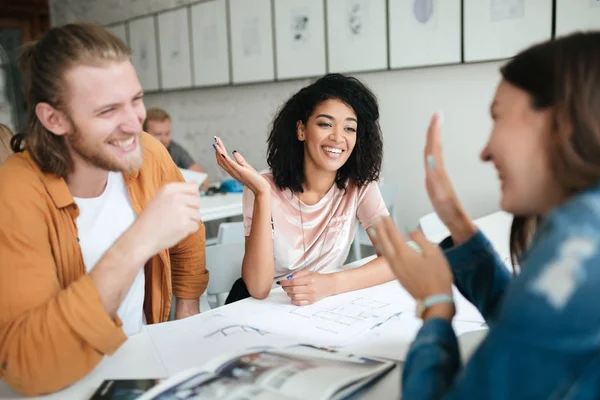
[(461, 227), (441, 310)]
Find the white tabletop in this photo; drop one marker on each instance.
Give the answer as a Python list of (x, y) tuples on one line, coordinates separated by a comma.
[(220, 206), (135, 359), (165, 349)]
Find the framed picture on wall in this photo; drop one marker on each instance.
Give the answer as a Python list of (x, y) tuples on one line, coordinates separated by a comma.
[(497, 29), (577, 15), (210, 45), (424, 32), (251, 33), (174, 49), (356, 35), (144, 57), (299, 38)]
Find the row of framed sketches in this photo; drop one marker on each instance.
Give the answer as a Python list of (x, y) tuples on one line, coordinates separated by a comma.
[(220, 42)]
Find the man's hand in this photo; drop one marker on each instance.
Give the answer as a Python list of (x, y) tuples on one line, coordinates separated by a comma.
[(186, 308), (172, 215)]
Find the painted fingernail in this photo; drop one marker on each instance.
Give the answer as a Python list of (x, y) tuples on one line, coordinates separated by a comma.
[(215, 147), (216, 140), (223, 155), (290, 276), (235, 151), (372, 232), (431, 161), (279, 283)]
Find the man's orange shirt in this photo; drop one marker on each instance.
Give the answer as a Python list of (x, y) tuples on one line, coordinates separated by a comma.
[(53, 326)]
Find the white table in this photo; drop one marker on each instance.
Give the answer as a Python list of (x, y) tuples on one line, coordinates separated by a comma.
[(140, 357), (220, 206), (135, 359)]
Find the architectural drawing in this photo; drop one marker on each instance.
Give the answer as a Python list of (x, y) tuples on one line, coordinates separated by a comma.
[(300, 32), (299, 28), (234, 329), (337, 318), (357, 18)]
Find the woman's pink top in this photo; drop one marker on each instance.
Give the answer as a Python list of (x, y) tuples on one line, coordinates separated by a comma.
[(327, 228)]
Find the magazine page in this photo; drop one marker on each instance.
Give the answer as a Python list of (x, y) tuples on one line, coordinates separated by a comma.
[(200, 385), (206, 337), (287, 371), (123, 389)]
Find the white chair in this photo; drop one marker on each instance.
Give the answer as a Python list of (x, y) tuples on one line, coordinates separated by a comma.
[(388, 193), (224, 262), (231, 232)]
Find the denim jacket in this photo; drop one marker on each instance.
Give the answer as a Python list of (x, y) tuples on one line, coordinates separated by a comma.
[(544, 336)]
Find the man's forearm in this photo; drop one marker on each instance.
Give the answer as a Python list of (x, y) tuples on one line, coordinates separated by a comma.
[(186, 307), (112, 276)]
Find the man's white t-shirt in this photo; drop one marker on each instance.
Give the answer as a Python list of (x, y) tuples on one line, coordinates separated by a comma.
[(101, 221)]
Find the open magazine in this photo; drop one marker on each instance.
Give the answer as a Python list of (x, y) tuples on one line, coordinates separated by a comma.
[(295, 372)]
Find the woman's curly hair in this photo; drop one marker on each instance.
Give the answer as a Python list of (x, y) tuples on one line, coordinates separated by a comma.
[(286, 152)]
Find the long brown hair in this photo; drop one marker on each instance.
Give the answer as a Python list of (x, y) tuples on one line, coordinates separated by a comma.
[(5, 135), (43, 65), (564, 76)]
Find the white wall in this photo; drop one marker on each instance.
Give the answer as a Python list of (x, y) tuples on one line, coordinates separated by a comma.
[(241, 116)]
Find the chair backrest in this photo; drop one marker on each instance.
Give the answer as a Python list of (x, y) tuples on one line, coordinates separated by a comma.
[(231, 232), (224, 262)]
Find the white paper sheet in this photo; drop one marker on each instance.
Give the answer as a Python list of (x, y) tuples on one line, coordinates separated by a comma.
[(339, 319), (135, 359), (331, 321), (393, 339), (193, 176), (205, 337)]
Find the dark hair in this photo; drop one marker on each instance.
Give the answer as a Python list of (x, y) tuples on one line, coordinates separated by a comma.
[(43, 65), (286, 152), (562, 75)]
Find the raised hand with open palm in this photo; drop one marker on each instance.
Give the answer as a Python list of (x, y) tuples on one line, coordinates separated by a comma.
[(237, 167), (439, 187)]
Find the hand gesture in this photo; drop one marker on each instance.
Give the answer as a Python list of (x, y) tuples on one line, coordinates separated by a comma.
[(172, 215), (422, 274), (439, 187), (239, 169)]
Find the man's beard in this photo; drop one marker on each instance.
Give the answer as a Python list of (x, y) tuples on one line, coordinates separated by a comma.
[(99, 157)]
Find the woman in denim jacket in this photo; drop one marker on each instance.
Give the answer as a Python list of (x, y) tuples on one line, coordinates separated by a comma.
[(544, 336)]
